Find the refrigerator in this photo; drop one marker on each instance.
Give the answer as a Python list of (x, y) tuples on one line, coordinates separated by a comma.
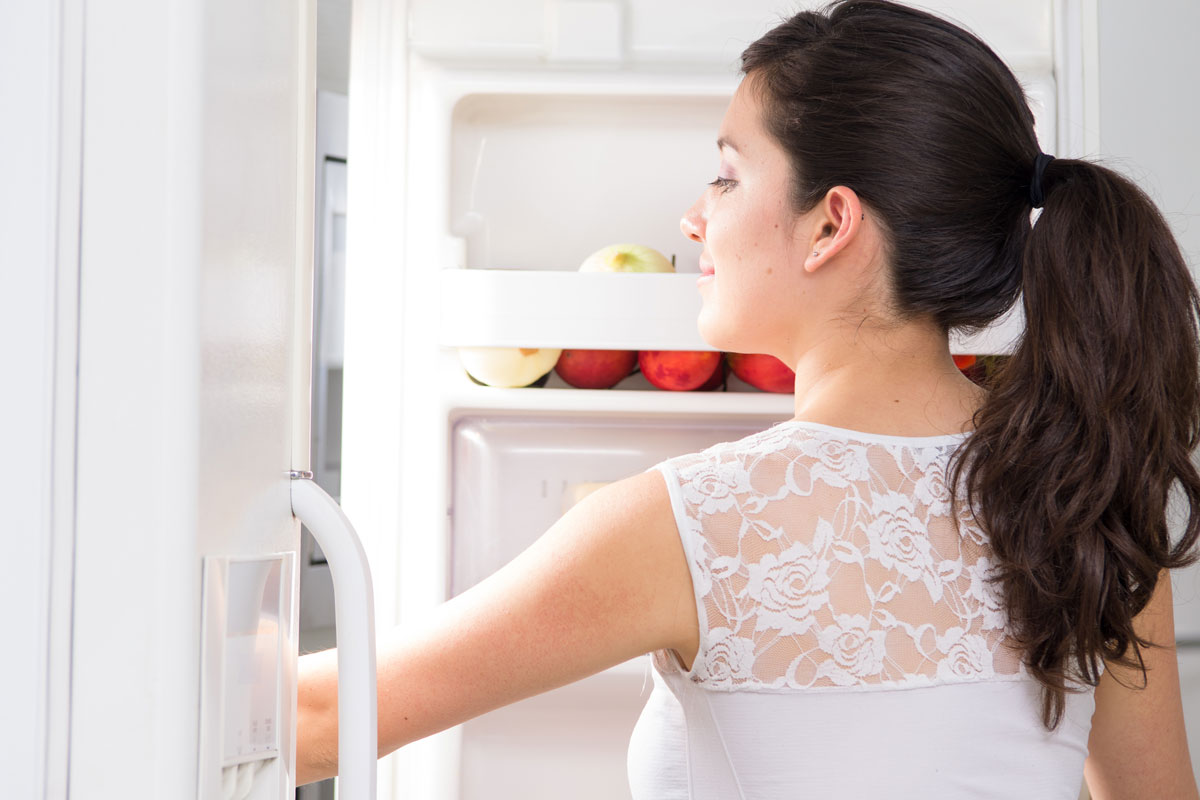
[(169, 286), (490, 148)]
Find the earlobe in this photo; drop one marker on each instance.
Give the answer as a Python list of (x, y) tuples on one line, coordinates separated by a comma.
[(810, 263)]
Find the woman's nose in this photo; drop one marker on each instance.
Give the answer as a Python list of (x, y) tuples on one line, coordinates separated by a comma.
[(692, 225)]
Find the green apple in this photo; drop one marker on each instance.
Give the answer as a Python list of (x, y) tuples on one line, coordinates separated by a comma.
[(508, 367), (627, 258)]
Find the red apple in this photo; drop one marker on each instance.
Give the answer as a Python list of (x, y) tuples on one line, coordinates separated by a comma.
[(763, 372), (679, 370), (973, 367), (595, 369), (717, 380)]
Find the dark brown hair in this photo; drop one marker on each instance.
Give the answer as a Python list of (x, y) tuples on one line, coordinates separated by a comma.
[(1092, 418)]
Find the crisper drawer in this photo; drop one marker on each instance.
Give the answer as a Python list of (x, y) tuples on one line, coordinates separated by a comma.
[(512, 478)]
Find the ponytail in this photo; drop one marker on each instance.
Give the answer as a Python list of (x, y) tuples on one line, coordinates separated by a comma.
[(1087, 427), (1091, 422)]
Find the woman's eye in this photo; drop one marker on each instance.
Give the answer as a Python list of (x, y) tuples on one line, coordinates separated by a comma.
[(724, 184)]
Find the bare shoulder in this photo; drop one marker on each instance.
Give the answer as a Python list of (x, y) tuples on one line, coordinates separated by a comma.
[(1137, 747), (618, 551), (649, 522)]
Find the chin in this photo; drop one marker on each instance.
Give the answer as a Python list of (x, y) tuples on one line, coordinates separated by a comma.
[(716, 333)]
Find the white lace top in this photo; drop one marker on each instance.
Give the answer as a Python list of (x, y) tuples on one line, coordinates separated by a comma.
[(850, 646)]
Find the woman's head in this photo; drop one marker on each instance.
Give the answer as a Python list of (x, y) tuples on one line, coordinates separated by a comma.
[(909, 119), (881, 177), (758, 243)]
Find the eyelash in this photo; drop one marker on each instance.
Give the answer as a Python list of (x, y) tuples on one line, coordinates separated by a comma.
[(724, 184)]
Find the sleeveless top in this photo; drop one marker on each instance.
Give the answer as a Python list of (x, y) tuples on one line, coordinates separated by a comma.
[(850, 643)]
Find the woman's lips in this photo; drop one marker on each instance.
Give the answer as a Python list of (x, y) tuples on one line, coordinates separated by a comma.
[(706, 269)]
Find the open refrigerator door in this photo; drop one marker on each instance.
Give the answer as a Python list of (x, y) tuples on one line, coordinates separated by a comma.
[(183, 184), (493, 148)]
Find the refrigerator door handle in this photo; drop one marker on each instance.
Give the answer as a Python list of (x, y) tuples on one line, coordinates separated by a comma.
[(354, 616)]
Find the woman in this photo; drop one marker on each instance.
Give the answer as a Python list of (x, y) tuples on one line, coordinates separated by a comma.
[(877, 175)]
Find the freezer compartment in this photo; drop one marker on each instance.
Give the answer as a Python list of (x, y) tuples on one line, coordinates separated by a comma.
[(513, 477), (571, 742)]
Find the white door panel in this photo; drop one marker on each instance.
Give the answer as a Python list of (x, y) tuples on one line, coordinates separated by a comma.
[(195, 129)]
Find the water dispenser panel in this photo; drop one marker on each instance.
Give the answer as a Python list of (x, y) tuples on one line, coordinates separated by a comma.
[(252, 661), (247, 624)]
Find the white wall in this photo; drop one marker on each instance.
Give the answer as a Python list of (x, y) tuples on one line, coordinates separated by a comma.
[(1149, 112)]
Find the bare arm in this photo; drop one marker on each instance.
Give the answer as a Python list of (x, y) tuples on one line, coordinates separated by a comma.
[(606, 583), (1138, 746)]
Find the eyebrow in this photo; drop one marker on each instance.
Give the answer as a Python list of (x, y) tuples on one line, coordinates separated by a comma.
[(723, 142)]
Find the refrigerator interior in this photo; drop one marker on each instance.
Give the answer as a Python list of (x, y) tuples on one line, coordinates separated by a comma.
[(514, 476), (536, 134), (541, 171)]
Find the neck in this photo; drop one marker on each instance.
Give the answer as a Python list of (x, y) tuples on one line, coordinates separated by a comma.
[(903, 382)]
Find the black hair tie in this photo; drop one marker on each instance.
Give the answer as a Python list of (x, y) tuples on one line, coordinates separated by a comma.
[(1036, 196)]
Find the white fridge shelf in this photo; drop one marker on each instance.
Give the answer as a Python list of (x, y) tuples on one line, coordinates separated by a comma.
[(607, 311)]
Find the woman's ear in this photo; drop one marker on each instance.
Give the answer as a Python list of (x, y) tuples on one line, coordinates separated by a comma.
[(835, 221)]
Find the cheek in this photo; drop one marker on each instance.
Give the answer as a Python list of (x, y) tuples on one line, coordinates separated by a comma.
[(734, 235), (760, 249), (720, 236), (749, 237)]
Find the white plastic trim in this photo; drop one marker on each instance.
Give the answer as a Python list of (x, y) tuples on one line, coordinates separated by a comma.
[(354, 609), (607, 311)]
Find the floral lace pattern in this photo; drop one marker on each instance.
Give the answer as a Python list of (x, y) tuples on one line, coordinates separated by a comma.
[(822, 558)]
